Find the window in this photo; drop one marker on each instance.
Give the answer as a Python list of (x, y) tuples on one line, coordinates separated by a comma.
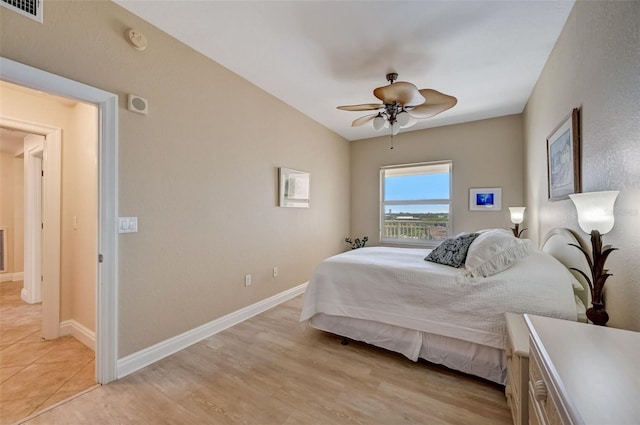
[(415, 203)]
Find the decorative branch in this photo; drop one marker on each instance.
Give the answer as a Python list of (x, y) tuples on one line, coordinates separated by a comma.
[(358, 243), (599, 276), (516, 232)]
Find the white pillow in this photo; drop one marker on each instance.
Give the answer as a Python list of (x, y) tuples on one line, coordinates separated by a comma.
[(577, 286), (494, 251)]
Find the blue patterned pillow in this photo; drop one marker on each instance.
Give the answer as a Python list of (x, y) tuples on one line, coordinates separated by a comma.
[(452, 251)]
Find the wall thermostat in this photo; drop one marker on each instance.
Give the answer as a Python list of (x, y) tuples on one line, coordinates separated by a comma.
[(137, 104), (137, 39)]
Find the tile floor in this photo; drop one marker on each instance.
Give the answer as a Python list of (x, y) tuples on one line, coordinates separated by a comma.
[(35, 374)]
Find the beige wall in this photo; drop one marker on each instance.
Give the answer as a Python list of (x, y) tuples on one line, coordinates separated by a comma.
[(18, 215), (80, 216), (487, 153), (6, 206), (595, 65), (11, 211), (7, 203), (78, 246), (199, 172)]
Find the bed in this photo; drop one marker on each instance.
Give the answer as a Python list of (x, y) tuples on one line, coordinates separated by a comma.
[(394, 299)]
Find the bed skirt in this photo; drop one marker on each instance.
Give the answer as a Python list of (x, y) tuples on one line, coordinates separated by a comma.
[(478, 360)]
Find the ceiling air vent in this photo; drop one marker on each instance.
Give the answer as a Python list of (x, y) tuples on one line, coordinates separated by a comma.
[(29, 8)]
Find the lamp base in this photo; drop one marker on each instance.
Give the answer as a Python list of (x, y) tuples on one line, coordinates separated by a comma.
[(516, 230), (597, 314)]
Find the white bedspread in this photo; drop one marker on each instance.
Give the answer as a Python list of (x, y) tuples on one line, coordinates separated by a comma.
[(396, 286)]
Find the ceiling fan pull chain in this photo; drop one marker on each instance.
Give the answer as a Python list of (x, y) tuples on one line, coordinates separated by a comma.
[(391, 140)]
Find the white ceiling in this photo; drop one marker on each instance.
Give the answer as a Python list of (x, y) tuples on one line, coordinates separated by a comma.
[(316, 55), (11, 141)]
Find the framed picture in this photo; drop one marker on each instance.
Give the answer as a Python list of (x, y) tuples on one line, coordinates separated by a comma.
[(294, 188), (563, 158), (485, 199)]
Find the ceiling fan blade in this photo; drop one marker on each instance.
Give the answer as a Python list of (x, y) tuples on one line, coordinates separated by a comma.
[(363, 120), (435, 103), (362, 107), (406, 94)]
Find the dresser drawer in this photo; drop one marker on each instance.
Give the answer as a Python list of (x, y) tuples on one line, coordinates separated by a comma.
[(543, 408), (582, 374), (513, 389), (517, 354)]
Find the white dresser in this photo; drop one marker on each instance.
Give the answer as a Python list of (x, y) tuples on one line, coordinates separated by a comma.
[(517, 388), (582, 374)]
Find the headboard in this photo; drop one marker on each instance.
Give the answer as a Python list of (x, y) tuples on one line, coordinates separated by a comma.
[(557, 243)]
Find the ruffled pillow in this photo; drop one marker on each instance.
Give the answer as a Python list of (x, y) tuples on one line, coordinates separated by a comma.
[(494, 251), (452, 251)]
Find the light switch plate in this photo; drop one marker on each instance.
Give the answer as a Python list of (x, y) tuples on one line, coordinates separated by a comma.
[(127, 224)]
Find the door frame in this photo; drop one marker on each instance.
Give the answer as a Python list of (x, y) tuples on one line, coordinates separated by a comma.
[(32, 156), (107, 289), (42, 196), (42, 205)]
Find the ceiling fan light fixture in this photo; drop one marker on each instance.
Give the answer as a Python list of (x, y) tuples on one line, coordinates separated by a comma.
[(379, 122), (402, 105), (403, 118), (411, 123)]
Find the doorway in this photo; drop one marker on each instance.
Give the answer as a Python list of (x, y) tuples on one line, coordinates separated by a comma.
[(33, 156), (106, 311), (48, 351), (42, 223)]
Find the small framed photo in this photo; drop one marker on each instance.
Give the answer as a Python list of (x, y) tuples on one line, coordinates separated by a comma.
[(485, 199), (294, 188), (563, 158)]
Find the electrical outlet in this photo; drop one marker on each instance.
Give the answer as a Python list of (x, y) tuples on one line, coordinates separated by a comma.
[(247, 280), (275, 272)]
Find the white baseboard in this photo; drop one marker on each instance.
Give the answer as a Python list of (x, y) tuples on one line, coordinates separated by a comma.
[(79, 332), (11, 277), (149, 355)]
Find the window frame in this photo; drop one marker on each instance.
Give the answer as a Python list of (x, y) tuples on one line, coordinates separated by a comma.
[(382, 204)]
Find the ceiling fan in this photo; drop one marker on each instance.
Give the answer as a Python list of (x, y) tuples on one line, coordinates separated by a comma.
[(402, 105)]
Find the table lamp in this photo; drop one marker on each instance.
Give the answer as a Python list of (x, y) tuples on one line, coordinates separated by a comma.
[(517, 216), (595, 216)]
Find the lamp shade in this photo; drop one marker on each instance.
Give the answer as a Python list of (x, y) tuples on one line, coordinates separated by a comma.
[(412, 121), (403, 119), (517, 214), (378, 122), (595, 210)]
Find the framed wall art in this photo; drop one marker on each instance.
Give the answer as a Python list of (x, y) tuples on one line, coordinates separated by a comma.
[(294, 188), (485, 199), (563, 158)]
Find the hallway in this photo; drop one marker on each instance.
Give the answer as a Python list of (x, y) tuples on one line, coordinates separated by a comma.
[(35, 374)]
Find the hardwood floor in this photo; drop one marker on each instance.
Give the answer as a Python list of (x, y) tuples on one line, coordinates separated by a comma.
[(36, 374), (268, 370)]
